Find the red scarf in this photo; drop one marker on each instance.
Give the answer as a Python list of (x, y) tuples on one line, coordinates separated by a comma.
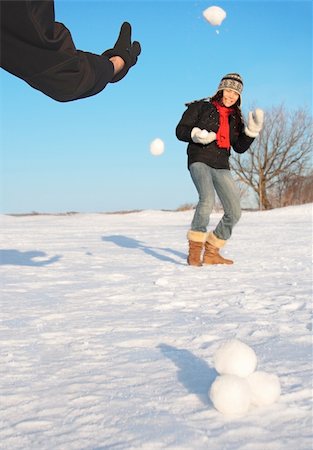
[(222, 136)]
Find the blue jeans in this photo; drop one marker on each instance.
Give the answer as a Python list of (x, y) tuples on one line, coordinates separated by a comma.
[(207, 180)]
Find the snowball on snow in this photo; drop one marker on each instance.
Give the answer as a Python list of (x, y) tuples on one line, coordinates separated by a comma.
[(214, 15), (157, 147), (230, 395), (235, 358), (265, 388)]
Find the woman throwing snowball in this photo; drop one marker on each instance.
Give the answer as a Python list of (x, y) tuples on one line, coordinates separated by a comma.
[(211, 127)]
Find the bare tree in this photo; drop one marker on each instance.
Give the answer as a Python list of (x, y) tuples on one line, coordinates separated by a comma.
[(282, 150), (293, 190)]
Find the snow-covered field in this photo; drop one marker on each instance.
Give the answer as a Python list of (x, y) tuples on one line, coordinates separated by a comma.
[(107, 336)]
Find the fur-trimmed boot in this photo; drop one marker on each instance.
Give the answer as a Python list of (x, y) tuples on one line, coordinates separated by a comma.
[(211, 254), (196, 244)]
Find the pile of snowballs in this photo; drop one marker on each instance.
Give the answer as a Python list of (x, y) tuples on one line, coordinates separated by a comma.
[(238, 386)]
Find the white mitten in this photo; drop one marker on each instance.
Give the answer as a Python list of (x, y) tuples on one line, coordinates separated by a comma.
[(203, 137), (255, 123)]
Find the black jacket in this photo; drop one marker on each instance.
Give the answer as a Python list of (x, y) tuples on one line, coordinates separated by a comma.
[(41, 51), (204, 115)]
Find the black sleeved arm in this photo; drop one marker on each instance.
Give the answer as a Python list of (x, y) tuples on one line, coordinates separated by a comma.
[(188, 122), (243, 142), (41, 51)]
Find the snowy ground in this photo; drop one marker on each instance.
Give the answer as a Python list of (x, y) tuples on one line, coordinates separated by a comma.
[(107, 335)]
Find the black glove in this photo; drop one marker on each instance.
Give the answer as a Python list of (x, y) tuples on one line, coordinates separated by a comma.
[(124, 48)]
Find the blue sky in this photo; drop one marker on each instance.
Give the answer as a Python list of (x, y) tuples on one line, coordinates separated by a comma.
[(93, 155)]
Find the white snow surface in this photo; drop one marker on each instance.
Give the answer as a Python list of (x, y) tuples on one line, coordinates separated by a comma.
[(108, 336)]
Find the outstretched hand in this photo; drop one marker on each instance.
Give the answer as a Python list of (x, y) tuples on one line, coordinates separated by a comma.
[(125, 49), (255, 122)]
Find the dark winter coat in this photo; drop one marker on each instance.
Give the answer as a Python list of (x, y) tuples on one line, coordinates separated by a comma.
[(204, 115), (41, 51)]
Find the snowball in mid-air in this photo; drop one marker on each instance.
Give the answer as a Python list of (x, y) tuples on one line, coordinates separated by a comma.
[(264, 387), (157, 147), (230, 395), (235, 358), (214, 15)]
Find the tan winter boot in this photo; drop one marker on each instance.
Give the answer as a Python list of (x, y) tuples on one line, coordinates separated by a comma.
[(211, 254), (196, 244)]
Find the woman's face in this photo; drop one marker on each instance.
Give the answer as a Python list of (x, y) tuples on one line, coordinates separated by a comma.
[(229, 97)]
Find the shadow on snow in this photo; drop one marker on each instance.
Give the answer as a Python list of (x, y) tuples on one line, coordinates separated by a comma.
[(17, 258), (127, 242), (193, 372)]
